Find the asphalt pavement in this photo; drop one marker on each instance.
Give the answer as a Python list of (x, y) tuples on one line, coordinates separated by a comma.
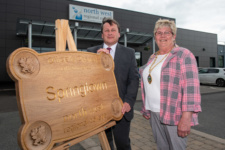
[(141, 134)]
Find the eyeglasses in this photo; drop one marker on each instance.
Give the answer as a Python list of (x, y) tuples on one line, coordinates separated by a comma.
[(167, 33)]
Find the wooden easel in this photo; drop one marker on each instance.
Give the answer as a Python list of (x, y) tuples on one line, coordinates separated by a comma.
[(63, 35)]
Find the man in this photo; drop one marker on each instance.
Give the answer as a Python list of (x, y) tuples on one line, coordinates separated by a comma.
[(127, 79)]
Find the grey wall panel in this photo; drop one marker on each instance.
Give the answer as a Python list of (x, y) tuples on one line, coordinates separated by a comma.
[(2, 46), (16, 2), (48, 5), (32, 3), (3, 8), (196, 41), (3, 74), (2, 31), (33, 11), (13, 8), (13, 17)]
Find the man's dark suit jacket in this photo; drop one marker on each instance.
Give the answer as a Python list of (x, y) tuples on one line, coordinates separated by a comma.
[(126, 74)]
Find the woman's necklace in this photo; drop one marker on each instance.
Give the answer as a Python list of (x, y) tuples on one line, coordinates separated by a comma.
[(149, 78)]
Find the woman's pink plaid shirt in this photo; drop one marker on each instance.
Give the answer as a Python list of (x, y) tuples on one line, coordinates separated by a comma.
[(179, 87)]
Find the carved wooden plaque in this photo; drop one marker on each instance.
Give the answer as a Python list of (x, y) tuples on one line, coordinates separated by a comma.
[(62, 95)]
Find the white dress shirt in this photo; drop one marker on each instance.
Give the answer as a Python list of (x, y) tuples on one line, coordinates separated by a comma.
[(113, 49)]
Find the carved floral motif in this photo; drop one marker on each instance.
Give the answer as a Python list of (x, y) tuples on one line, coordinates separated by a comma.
[(38, 135), (27, 65)]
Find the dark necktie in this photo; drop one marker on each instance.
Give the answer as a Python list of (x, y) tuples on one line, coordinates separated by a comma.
[(109, 49)]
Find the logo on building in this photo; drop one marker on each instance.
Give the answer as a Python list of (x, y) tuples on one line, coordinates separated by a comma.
[(88, 14), (77, 13)]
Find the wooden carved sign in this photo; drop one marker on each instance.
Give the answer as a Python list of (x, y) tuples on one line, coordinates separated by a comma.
[(62, 95)]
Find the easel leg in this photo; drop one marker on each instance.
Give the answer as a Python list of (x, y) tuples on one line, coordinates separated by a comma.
[(103, 140), (61, 143)]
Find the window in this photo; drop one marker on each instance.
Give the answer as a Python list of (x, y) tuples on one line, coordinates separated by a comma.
[(197, 60), (201, 71), (213, 71), (220, 61), (83, 50), (212, 62), (43, 49), (138, 58)]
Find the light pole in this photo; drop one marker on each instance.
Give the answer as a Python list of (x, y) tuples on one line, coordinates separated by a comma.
[(75, 32), (125, 37)]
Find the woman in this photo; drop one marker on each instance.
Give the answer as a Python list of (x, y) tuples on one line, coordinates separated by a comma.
[(170, 89)]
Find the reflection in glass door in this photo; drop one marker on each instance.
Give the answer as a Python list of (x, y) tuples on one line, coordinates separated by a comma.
[(212, 62)]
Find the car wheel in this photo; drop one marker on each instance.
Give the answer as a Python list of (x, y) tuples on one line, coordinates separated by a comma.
[(220, 82)]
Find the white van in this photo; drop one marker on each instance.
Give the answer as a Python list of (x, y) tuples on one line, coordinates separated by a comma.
[(212, 76)]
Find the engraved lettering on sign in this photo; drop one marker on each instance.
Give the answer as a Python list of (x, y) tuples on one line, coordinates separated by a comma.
[(96, 109), (82, 113), (83, 124), (81, 90), (70, 59), (69, 68)]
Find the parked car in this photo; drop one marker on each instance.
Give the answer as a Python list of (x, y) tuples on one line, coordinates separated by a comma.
[(212, 76)]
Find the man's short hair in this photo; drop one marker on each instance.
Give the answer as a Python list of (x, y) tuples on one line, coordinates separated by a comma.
[(110, 21)]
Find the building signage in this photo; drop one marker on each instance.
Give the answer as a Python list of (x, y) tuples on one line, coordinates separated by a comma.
[(88, 14)]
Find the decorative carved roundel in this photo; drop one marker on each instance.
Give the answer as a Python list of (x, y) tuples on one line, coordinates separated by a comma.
[(106, 62), (38, 135), (26, 64)]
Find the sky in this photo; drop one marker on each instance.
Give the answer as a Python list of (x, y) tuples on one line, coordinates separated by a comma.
[(199, 15)]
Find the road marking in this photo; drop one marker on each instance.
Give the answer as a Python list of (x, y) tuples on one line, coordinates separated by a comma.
[(213, 88)]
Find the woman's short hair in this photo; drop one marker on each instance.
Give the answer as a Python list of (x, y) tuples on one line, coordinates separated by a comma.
[(110, 21), (166, 23)]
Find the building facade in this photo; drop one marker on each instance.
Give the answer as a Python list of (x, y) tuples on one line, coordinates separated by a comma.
[(203, 45), (16, 17)]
